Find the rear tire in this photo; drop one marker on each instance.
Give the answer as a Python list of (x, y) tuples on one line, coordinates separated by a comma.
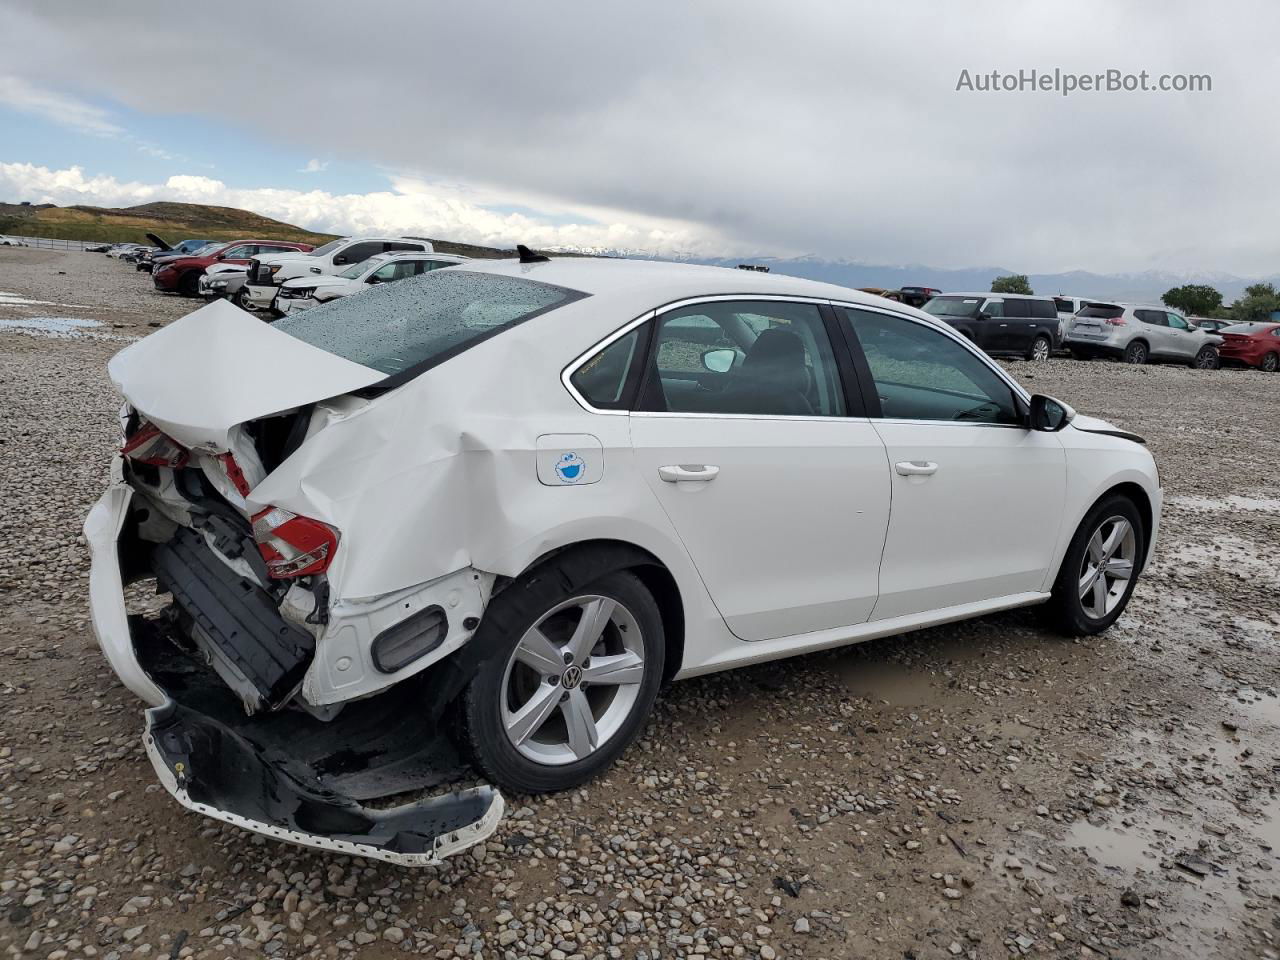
[(1206, 359), (586, 719), (1270, 363), (1136, 352), (1067, 611), (1041, 349)]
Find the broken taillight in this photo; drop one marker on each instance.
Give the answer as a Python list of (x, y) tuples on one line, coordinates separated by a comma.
[(293, 546), (149, 445)]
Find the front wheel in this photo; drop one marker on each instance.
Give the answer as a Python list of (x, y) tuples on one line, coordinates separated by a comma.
[(569, 692), (1135, 352), (1100, 569), (1206, 359), (1040, 349), (1271, 362), (189, 283)]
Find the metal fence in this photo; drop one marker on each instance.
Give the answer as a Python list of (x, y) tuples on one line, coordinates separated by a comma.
[(51, 244)]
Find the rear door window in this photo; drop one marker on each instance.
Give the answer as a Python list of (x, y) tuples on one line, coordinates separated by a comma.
[(1154, 317), (762, 358), (1017, 309), (1063, 305)]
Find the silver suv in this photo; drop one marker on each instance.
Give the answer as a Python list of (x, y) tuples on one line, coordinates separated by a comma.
[(1138, 332)]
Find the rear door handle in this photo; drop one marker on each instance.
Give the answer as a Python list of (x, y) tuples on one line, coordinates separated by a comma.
[(915, 468), (681, 472)]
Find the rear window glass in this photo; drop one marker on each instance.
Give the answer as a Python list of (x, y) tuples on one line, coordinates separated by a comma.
[(1104, 310), (425, 319), (953, 306)]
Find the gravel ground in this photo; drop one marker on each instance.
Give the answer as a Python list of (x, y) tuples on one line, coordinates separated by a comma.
[(978, 790)]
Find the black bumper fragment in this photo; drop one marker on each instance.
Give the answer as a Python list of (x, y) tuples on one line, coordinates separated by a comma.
[(212, 769)]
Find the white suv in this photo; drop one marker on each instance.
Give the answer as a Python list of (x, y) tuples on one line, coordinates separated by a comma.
[(300, 293), (266, 274), (1138, 332)]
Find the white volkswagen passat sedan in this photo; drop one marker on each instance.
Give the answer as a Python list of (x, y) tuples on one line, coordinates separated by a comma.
[(468, 524)]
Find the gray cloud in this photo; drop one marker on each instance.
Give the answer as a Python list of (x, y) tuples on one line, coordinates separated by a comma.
[(833, 130)]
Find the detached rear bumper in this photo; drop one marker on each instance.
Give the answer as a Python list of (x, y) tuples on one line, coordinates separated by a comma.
[(211, 769), (286, 775)]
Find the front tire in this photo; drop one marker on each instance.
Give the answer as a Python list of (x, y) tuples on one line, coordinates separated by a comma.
[(1206, 359), (189, 283), (1135, 352), (1041, 349), (570, 687), (1100, 569), (1270, 363)]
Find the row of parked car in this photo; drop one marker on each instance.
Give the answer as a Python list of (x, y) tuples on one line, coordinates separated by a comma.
[(1034, 327), (282, 277)]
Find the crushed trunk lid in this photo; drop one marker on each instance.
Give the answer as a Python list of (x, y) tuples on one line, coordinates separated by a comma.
[(218, 367)]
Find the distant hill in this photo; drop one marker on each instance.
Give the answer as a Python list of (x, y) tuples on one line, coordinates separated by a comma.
[(173, 222)]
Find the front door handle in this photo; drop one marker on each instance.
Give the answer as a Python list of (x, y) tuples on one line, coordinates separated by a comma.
[(915, 468), (681, 472)]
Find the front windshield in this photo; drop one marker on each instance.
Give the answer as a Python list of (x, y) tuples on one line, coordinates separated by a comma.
[(327, 248), (953, 306), (207, 250), (394, 327), (356, 270)]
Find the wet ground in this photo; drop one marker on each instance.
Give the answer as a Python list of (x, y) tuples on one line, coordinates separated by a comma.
[(981, 790)]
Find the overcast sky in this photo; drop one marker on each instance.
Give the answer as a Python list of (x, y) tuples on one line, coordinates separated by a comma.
[(832, 130)]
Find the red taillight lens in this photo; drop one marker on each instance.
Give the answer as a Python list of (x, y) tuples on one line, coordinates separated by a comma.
[(149, 445), (1115, 321), (293, 546)]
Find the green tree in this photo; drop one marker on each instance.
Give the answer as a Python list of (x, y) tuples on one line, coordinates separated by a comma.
[(1195, 299), (1260, 300), (1015, 283)]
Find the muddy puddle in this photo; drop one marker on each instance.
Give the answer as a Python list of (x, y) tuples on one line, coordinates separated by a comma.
[(58, 328), (8, 299), (1233, 502)]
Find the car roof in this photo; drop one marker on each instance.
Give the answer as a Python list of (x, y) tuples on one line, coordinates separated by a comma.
[(1009, 296), (388, 255)]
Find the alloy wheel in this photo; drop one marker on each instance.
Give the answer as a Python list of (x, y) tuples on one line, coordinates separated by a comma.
[(1108, 566), (1041, 349), (1136, 353), (573, 680), (1207, 359), (1271, 362)]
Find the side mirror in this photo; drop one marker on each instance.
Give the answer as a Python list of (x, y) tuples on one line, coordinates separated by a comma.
[(983, 315), (339, 260), (374, 279), (1049, 415), (719, 361)]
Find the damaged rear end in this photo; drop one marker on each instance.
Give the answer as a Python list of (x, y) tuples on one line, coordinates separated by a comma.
[(277, 703)]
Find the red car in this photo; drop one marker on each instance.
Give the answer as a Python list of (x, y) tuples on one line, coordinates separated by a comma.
[(183, 275), (1251, 344)]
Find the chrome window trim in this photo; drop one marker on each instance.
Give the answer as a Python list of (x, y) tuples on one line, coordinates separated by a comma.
[(572, 367)]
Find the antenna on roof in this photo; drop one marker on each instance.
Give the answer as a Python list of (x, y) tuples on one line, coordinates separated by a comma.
[(528, 256)]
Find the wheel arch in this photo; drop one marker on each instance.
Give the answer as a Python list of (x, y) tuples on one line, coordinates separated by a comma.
[(587, 560)]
